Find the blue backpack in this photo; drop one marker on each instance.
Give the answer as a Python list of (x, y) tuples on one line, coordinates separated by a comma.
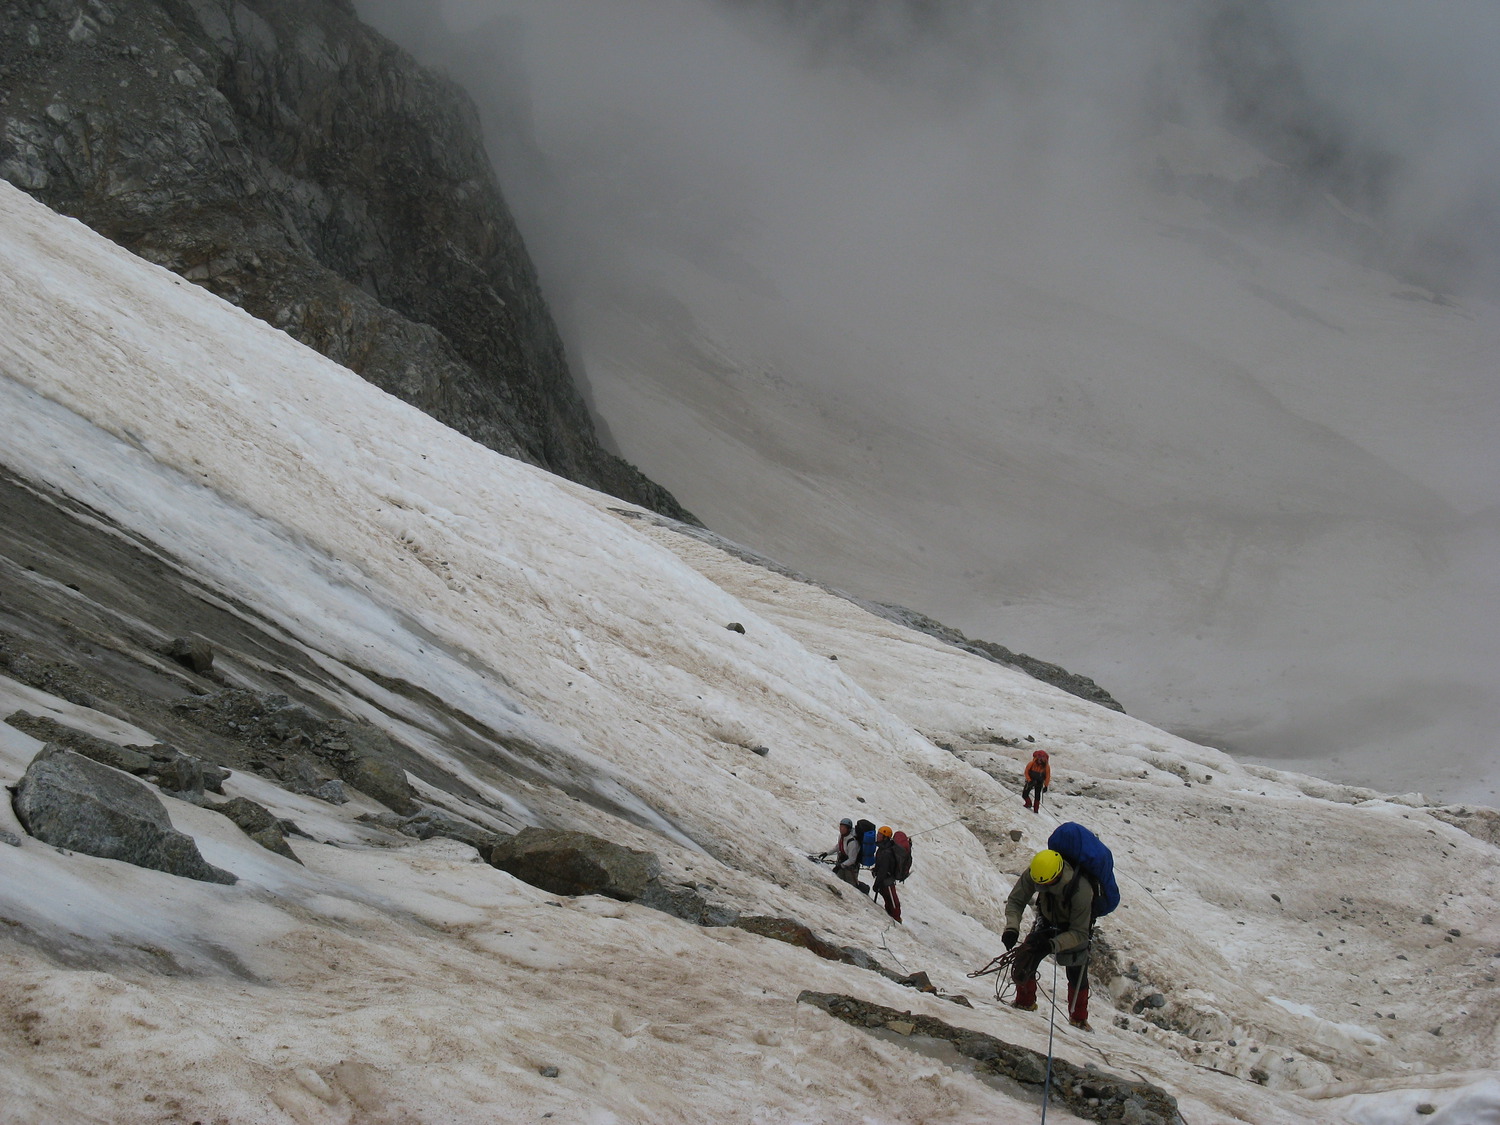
[(1091, 858), (867, 849)]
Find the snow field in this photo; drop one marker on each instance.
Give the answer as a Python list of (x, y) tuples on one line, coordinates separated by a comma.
[(416, 983)]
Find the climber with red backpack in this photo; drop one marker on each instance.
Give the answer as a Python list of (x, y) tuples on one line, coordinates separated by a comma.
[(886, 873), (1038, 775)]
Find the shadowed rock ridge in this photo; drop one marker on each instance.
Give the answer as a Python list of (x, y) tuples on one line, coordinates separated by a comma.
[(293, 161), (1088, 1092)]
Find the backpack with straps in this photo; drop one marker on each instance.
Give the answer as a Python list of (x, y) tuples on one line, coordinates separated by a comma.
[(901, 846), (1091, 859), (865, 830)]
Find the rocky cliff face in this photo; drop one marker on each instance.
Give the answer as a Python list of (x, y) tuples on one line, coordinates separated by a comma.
[(290, 159)]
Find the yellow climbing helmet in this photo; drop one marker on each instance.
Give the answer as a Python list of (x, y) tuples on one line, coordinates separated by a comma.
[(1046, 867), (885, 832)]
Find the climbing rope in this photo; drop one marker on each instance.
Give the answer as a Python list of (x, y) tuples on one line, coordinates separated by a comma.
[(1001, 966), (1023, 960), (1051, 1021), (885, 945), (934, 828), (968, 815)]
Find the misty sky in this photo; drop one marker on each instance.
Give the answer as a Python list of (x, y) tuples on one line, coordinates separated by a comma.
[(1158, 341)]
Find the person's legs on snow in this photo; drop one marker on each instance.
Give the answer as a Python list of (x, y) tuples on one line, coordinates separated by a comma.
[(890, 900), (1025, 995), (1078, 997)]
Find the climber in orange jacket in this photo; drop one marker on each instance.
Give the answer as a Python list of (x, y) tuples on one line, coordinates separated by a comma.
[(1038, 779)]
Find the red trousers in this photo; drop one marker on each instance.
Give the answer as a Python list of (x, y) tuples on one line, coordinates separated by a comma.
[(1078, 992)]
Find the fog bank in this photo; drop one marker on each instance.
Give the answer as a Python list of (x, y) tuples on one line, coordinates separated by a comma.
[(1159, 343)]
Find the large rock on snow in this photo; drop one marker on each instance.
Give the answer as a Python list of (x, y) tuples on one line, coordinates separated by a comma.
[(688, 903), (432, 821), (131, 759), (170, 768), (795, 933), (187, 776), (575, 863), (1086, 1091), (368, 760), (257, 822), (74, 802)]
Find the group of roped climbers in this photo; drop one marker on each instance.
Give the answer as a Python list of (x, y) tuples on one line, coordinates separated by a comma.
[(1068, 900), (1067, 897), (885, 852)]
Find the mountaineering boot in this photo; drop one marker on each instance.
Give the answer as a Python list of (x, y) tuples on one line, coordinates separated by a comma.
[(1026, 801), (1078, 1009), (1036, 808), (1025, 995)]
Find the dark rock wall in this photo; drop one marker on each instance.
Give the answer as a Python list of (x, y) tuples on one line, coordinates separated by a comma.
[(293, 161)]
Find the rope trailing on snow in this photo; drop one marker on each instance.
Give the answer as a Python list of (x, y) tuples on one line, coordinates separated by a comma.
[(1051, 1021), (935, 827), (1023, 961), (1001, 967), (885, 945)]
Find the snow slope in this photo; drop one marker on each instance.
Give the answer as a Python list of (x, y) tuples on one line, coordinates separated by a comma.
[(1020, 361), (1279, 916), (1249, 528)]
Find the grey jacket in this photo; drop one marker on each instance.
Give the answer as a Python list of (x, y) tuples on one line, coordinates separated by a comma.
[(848, 852)]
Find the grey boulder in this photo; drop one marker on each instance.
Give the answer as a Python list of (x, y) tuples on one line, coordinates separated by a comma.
[(433, 821), (131, 759), (575, 863), (73, 802), (257, 822)]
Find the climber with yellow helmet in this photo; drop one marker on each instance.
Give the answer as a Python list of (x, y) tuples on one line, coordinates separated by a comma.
[(1064, 922)]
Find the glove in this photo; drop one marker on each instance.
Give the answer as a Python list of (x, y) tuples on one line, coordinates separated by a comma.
[(1009, 937)]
